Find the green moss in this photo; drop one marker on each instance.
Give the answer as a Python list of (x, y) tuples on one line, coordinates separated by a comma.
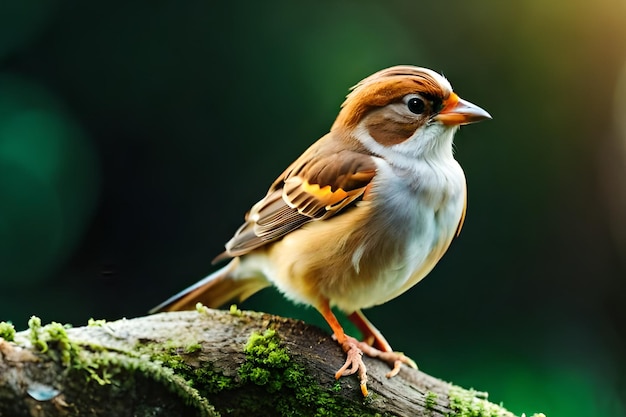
[(269, 366), (431, 399), (53, 335), (175, 381), (53, 340), (265, 349), (266, 362), (34, 326), (235, 311), (192, 348), (103, 367), (471, 403), (7, 331), (106, 368), (201, 308), (203, 380), (96, 323)]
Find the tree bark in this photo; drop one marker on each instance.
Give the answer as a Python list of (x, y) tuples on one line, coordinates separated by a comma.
[(207, 363)]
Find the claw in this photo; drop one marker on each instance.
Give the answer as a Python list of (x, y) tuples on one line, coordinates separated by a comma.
[(355, 349), (354, 361), (364, 389), (363, 380), (397, 364), (396, 368), (410, 362)]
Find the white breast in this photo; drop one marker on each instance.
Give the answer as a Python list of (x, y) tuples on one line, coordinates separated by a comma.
[(419, 204)]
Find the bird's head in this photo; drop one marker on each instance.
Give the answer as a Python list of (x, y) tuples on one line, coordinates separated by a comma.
[(405, 104)]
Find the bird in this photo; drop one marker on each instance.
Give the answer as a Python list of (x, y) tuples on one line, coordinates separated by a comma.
[(364, 214)]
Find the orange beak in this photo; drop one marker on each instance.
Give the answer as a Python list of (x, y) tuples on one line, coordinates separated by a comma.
[(457, 111)]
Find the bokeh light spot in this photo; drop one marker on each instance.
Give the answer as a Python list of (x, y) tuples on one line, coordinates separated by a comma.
[(48, 182)]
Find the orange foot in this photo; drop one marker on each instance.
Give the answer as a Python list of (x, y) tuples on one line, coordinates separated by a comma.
[(354, 360)]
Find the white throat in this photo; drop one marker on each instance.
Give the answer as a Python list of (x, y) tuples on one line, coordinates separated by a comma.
[(431, 144)]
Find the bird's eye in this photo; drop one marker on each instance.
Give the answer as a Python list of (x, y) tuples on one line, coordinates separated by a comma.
[(416, 105)]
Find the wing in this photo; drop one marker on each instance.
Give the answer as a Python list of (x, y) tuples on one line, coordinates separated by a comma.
[(319, 184)]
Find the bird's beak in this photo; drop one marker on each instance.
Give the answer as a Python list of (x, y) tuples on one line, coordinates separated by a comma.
[(457, 111)]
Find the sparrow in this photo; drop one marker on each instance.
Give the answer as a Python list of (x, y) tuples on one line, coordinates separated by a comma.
[(360, 217)]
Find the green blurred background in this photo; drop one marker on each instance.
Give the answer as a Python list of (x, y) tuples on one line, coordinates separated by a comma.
[(135, 134)]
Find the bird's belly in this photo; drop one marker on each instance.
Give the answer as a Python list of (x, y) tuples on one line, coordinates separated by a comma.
[(368, 265), (418, 219), (367, 255), (413, 247)]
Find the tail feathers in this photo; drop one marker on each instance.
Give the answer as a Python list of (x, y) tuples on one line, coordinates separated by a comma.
[(215, 290)]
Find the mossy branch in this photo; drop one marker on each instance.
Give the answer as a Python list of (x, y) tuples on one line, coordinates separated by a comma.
[(206, 363)]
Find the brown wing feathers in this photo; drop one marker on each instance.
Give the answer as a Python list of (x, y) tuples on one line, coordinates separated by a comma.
[(312, 188), (325, 185)]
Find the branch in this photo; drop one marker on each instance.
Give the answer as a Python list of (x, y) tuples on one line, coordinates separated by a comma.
[(207, 363)]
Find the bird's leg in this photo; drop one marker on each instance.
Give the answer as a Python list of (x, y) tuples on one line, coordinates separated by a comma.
[(375, 345), (354, 354)]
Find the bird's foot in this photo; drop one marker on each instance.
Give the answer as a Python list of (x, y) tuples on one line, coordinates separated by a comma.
[(354, 361)]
